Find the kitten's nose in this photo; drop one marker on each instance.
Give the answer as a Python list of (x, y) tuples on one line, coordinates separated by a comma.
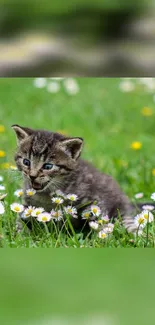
[(32, 178)]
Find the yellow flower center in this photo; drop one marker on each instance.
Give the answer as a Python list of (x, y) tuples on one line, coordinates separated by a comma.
[(86, 215), (147, 111), (146, 216), (30, 193), (2, 128), (141, 220), (20, 193), (94, 210), (57, 201), (2, 154), (70, 210), (136, 145), (100, 221), (5, 165), (38, 212), (44, 218), (103, 235), (17, 209)]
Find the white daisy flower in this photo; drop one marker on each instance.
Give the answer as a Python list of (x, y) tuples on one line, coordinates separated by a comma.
[(105, 218), (56, 215), (95, 210), (153, 196), (53, 87), (140, 221), (57, 200), (139, 195), (72, 197), (109, 228), (44, 217), (27, 212), (94, 225), (102, 234), (40, 82), (148, 207), (71, 210), (30, 192), (16, 207), (2, 209), (60, 193), (71, 86), (2, 188), (1, 178), (13, 167), (2, 196), (86, 214), (18, 193), (126, 86), (37, 211), (147, 215)]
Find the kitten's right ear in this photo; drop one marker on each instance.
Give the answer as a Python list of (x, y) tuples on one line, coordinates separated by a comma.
[(21, 132)]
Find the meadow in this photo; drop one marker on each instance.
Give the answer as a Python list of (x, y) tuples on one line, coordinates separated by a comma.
[(116, 119)]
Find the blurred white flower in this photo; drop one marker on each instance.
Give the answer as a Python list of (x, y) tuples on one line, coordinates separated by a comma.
[(2, 209), (60, 193), (57, 200), (147, 215), (2, 188), (153, 196), (3, 196), (18, 193), (108, 229), (72, 197), (140, 221), (71, 86), (44, 217), (86, 214), (53, 87), (1, 178), (12, 167), (95, 210), (94, 225), (30, 192), (40, 82), (37, 211), (126, 86), (102, 234), (148, 207), (56, 215), (71, 210), (27, 212), (139, 195), (16, 207)]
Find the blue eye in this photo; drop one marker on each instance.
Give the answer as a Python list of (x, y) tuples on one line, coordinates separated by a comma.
[(26, 162), (48, 166)]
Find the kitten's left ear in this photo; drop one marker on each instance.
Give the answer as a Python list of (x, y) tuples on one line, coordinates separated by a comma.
[(21, 132), (72, 147)]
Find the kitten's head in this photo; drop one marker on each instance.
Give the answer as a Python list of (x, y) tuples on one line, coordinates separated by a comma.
[(45, 157)]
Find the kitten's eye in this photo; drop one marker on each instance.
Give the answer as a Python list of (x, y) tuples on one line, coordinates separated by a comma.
[(26, 162), (48, 166)]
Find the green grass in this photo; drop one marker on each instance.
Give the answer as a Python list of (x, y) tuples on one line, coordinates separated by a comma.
[(108, 120)]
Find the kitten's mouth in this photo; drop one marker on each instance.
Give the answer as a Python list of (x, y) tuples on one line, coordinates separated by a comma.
[(38, 187)]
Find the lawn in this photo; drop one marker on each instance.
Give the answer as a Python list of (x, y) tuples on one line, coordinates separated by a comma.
[(111, 116)]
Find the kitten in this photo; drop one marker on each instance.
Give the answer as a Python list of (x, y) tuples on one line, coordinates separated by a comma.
[(50, 161)]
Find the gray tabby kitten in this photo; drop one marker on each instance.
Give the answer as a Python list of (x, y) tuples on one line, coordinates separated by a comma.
[(50, 161)]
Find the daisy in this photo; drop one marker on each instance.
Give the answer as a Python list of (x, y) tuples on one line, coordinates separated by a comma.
[(94, 225), (40, 82), (28, 212), (153, 196), (103, 219), (2, 188), (57, 215), (18, 193), (126, 86), (2, 209), (102, 234), (86, 214), (30, 192), (71, 86), (1, 178), (53, 87), (71, 210), (140, 221), (109, 228), (72, 197), (57, 200), (2, 154), (136, 145), (96, 211), (139, 195), (147, 215), (37, 211), (148, 207), (16, 207), (60, 193), (2, 196), (44, 217)]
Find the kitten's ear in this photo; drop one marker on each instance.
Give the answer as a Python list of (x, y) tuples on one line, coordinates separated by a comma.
[(72, 147), (21, 132)]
